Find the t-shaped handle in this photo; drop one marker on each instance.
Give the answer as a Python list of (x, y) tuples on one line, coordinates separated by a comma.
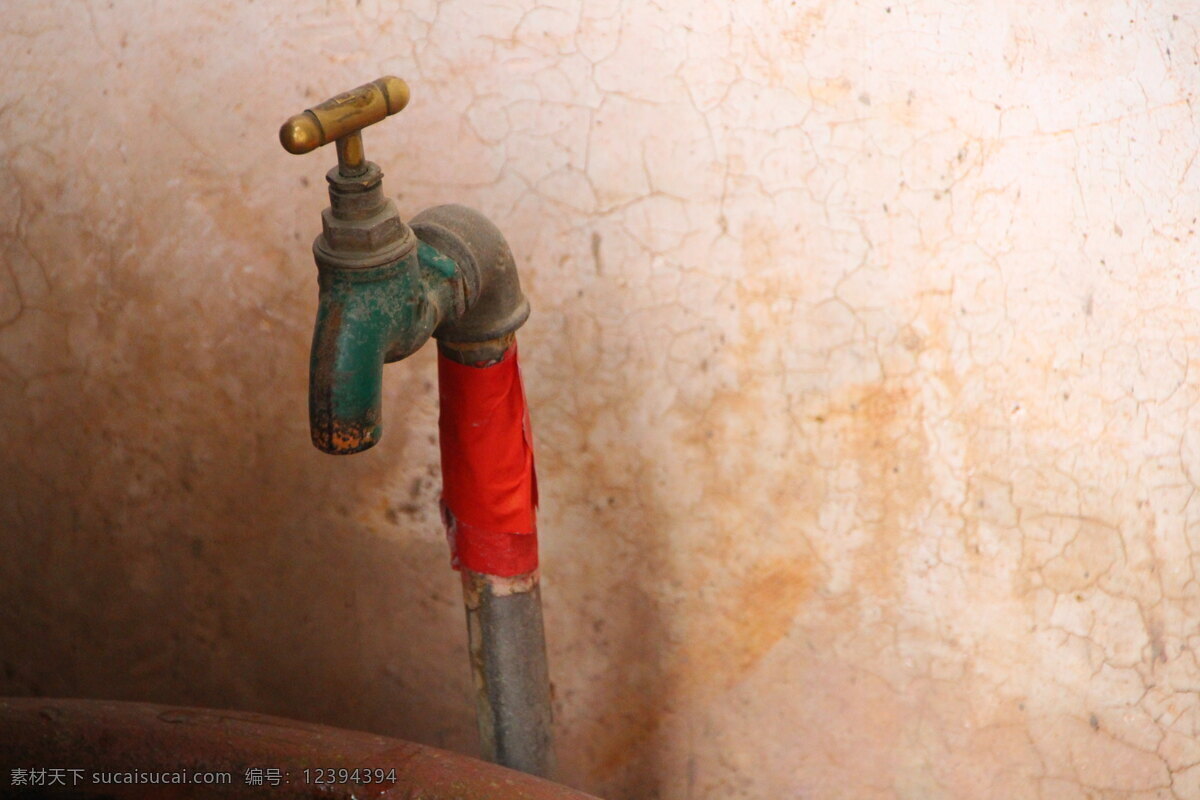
[(341, 119)]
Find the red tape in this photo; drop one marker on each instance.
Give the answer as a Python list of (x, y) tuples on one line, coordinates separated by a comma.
[(489, 484)]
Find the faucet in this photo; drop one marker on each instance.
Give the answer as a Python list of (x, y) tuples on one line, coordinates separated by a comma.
[(386, 288)]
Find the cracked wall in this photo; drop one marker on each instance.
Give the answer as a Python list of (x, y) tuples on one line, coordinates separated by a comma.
[(859, 368)]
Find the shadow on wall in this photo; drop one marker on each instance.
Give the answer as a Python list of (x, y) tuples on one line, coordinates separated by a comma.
[(172, 536), (610, 570), (170, 533)]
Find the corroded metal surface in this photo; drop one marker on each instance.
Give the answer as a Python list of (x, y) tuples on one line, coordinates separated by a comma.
[(104, 737), (495, 303), (508, 664)]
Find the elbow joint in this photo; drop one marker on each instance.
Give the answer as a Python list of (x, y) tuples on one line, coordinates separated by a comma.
[(493, 304)]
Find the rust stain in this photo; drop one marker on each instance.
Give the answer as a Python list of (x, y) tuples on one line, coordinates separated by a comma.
[(831, 92), (740, 605), (749, 576), (732, 633), (883, 435), (803, 30), (339, 437), (753, 617), (352, 436), (880, 431), (629, 734)]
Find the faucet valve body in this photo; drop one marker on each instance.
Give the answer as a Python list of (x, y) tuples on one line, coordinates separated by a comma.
[(379, 302)]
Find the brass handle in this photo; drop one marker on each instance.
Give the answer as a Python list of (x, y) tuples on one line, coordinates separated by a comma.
[(342, 118)]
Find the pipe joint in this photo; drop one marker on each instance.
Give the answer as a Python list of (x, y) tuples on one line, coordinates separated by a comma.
[(494, 304)]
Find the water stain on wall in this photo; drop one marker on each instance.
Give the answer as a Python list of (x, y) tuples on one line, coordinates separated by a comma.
[(880, 430), (743, 623)]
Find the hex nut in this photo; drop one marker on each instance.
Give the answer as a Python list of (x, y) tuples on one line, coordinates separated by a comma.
[(376, 232)]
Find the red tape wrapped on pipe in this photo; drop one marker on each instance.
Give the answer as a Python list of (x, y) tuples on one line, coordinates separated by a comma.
[(489, 485)]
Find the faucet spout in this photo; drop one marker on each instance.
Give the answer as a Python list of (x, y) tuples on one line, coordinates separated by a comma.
[(345, 378), (364, 318)]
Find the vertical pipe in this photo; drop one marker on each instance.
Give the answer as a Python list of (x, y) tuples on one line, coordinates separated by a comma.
[(508, 664), (506, 637)]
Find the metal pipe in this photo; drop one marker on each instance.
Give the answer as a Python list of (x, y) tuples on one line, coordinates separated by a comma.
[(507, 640), (508, 663), (504, 614), (79, 740)]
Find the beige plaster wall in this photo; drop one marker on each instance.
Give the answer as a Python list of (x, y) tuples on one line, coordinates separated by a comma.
[(859, 366)]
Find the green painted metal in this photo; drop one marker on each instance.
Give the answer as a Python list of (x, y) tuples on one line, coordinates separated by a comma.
[(434, 260), (364, 318)]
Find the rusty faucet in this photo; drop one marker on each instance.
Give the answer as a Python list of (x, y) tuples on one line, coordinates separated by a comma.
[(385, 288)]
